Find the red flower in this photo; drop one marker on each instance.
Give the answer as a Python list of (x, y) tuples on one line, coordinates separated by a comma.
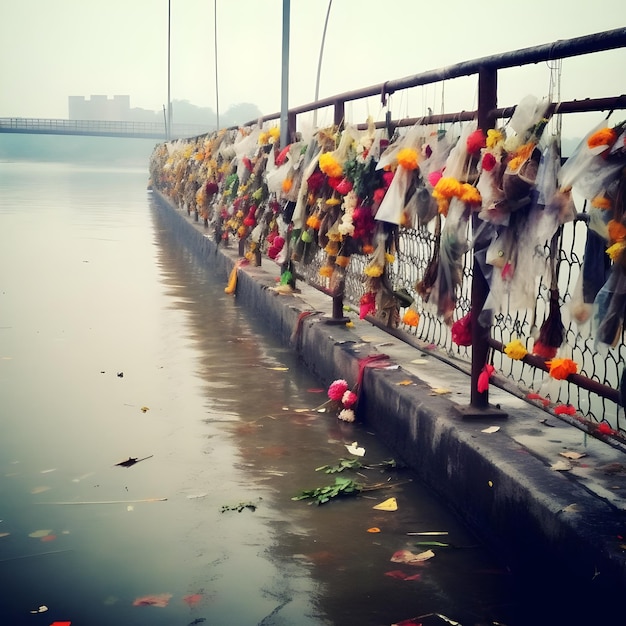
[(367, 304), (316, 181), (476, 141), (489, 162), (337, 389), (483, 379), (462, 331), (605, 429)]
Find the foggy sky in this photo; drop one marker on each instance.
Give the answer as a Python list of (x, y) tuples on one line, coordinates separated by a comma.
[(51, 50)]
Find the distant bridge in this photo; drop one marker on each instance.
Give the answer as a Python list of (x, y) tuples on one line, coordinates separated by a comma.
[(99, 128)]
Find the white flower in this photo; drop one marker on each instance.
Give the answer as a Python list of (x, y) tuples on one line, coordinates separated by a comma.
[(347, 415)]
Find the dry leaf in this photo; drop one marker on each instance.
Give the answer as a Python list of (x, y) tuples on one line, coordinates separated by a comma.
[(561, 466), (38, 534), (158, 599), (144, 409), (571, 508), (574, 456), (491, 429), (405, 382), (374, 529), (419, 361), (353, 448), (410, 558), (440, 390), (391, 504)]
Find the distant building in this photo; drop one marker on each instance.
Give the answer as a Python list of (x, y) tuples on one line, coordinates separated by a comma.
[(115, 109)]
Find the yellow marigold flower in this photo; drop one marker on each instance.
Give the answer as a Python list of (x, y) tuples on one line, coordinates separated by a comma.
[(515, 350), (333, 201), (264, 137), (615, 250), (389, 258), (446, 188), (470, 194), (601, 202), (407, 158), (560, 369), (494, 137), (603, 137), (373, 270), (274, 132), (411, 318), (242, 231), (329, 165)]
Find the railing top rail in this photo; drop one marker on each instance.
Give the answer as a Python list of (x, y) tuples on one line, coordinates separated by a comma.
[(560, 49)]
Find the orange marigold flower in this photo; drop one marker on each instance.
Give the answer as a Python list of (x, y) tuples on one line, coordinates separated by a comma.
[(287, 185), (470, 194), (601, 202), (521, 154), (617, 231), (446, 188), (326, 271), (342, 261), (411, 318), (407, 158), (560, 369), (603, 137), (313, 221)]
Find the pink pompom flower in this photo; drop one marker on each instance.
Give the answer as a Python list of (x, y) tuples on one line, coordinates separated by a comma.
[(337, 389), (348, 399)]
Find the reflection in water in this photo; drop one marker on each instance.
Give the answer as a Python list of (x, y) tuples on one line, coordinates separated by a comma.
[(109, 314)]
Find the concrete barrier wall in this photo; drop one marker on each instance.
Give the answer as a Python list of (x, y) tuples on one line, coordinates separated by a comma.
[(541, 521)]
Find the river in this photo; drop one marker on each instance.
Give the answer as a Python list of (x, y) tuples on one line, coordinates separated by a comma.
[(117, 345)]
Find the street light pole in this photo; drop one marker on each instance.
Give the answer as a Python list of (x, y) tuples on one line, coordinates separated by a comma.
[(169, 101), (284, 100)]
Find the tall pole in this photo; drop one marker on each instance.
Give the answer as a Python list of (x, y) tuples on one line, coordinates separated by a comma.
[(319, 62), (169, 100), (217, 97), (284, 99)]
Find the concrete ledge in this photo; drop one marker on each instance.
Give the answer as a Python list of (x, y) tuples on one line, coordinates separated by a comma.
[(562, 529)]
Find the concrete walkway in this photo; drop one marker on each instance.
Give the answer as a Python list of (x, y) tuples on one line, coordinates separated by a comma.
[(562, 528)]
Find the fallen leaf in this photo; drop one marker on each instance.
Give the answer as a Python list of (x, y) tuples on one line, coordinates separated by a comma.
[(571, 508), (47, 471), (410, 558), (158, 599), (440, 391), (4, 534), (42, 609), (574, 456), (37, 490), (405, 382), (419, 361), (38, 534), (561, 466), (353, 448), (131, 461), (192, 599), (400, 575), (374, 529), (391, 504), (490, 430)]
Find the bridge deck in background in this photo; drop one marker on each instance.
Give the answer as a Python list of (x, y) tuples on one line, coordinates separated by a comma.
[(98, 128)]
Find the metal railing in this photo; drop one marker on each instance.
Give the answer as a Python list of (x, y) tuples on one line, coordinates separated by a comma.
[(594, 388)]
